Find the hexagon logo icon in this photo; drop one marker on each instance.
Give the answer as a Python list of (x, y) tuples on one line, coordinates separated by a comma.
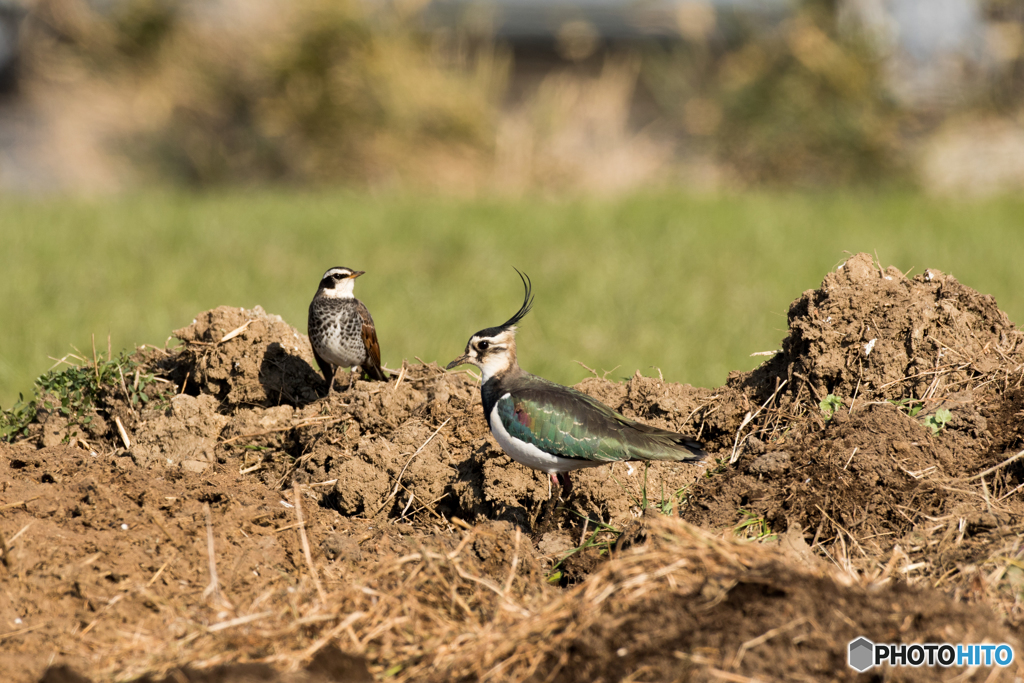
[(861, 654)]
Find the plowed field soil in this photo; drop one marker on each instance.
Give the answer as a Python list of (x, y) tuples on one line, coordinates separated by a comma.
[(204, 513)]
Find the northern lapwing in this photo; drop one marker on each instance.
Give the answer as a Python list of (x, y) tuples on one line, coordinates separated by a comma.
[(553, 428), (341, 330)]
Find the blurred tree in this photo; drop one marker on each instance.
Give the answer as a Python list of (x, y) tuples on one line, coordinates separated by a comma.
[(1004, 40), (795, 102), (310, 91)]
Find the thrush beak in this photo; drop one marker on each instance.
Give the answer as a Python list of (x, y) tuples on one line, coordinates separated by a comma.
[(461, 360), (356, 274)]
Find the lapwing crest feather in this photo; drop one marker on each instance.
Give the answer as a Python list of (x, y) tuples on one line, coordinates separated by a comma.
[(520, 314)]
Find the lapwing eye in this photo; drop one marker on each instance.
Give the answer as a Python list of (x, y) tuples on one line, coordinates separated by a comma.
[(483, 346)]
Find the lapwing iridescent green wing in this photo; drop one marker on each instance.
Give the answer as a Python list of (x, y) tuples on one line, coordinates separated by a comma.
[(554, 428), (341, 330)]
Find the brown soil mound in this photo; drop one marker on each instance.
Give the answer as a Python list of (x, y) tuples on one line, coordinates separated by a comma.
[(873, 334), (202, 513), (425, 426), (879, 482)]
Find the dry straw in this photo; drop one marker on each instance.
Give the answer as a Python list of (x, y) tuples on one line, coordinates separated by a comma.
[(434, 615)]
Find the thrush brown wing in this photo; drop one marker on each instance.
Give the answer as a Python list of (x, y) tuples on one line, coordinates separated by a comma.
[(371, 366)]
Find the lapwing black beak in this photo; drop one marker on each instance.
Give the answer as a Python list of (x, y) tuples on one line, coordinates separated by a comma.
[(461, 360)]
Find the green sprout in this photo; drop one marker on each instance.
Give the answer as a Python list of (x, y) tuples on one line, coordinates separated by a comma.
[(829, 405), (604, 545), (665, 501), (753, 527), (912, 406), (938, 421)]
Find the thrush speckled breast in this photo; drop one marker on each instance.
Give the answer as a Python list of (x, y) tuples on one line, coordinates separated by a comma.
[(341, 329)]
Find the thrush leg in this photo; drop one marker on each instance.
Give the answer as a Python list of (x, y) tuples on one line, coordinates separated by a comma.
[(330, 380), (326, 369)]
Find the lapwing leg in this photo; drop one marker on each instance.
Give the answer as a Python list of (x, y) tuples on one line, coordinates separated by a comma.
[(563, 480), (547, 518), (566, 485)]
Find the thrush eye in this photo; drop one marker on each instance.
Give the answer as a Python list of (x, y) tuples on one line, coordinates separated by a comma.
[(483, 346)]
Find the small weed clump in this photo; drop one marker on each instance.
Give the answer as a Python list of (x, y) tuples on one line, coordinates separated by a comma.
[(665, 502), (753, 527), (75, 392), (936, 422), (910, 406), (603, 539)]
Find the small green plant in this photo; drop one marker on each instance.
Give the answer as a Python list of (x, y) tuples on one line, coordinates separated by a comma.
[(753, 527), (71, 393), (74, 391), (938, 421), (603, 537), (665, 501), (829, 405), (16, 419), (663, 506), (721, 465), (911, 406)]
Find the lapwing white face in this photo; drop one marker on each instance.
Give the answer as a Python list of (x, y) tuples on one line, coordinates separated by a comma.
[(338, 283), (492, 353)]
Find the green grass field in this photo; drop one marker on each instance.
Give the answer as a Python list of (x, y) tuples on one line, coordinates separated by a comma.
[(690, 285)]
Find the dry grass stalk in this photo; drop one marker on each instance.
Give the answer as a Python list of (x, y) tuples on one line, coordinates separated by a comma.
[(127, 396), (235, 332), (748, 418), (398, 481), (124, 434), (297, 497), (764, 638), (997, 467), (103, 610), (214, 586)]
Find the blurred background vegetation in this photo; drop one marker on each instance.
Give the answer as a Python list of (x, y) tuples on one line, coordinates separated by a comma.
[(518, 97), (671, 173)]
